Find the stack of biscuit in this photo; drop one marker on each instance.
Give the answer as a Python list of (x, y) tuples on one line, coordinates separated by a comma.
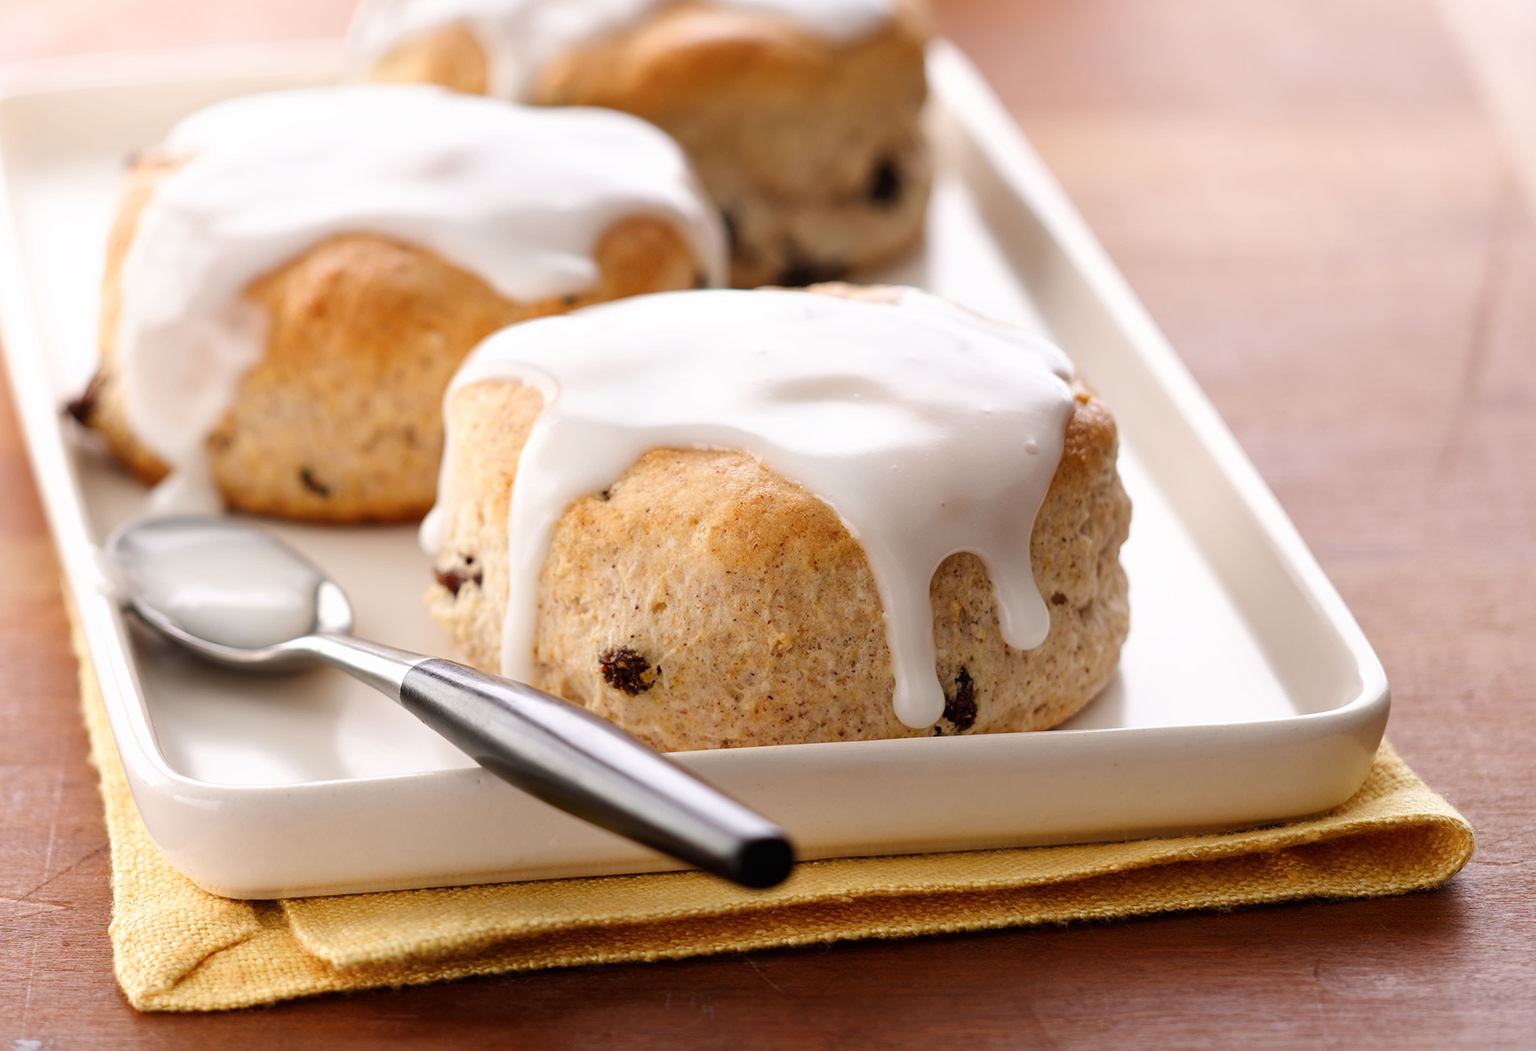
[(347, 333)]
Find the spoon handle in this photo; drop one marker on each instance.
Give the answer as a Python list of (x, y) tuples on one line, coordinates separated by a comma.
[(576, 761)]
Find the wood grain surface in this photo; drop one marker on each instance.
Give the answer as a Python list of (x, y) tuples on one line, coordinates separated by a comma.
[(1314, 203)]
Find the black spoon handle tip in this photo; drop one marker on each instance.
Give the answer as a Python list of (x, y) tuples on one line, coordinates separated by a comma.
[(588, 767), (763, 863)]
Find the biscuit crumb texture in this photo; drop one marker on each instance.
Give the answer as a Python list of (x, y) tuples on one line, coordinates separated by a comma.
[(702, 601), (340, 421)]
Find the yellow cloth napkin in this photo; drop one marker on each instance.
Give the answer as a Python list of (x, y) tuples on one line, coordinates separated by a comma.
[(178, 948)]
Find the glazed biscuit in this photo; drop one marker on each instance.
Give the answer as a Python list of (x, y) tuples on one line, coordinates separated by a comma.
[(703, 601), (293, 278), (811, 147), (340, 421)]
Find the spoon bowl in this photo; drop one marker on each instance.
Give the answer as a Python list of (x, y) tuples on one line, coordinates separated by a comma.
[(233, 594)]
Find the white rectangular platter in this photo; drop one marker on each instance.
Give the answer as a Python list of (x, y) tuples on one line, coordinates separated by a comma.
[(1246, 692)]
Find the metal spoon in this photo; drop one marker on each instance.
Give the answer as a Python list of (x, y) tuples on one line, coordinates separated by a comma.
[(239, 596)]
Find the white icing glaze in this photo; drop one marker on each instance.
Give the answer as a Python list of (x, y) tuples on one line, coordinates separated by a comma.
[(928, 430), (515, 195), (521, 37)]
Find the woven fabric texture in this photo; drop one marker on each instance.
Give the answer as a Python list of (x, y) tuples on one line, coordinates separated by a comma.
[(178, 948)]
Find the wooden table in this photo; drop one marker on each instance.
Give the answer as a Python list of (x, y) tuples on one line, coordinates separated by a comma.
[(1310, 198)]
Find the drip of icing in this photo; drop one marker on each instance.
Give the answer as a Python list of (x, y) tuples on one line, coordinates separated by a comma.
[(518, 196), (521, 37), (928, 430)]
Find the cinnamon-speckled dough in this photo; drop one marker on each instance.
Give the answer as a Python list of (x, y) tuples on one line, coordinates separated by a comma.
[(811, 148), (703, 601), (341, 420)]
